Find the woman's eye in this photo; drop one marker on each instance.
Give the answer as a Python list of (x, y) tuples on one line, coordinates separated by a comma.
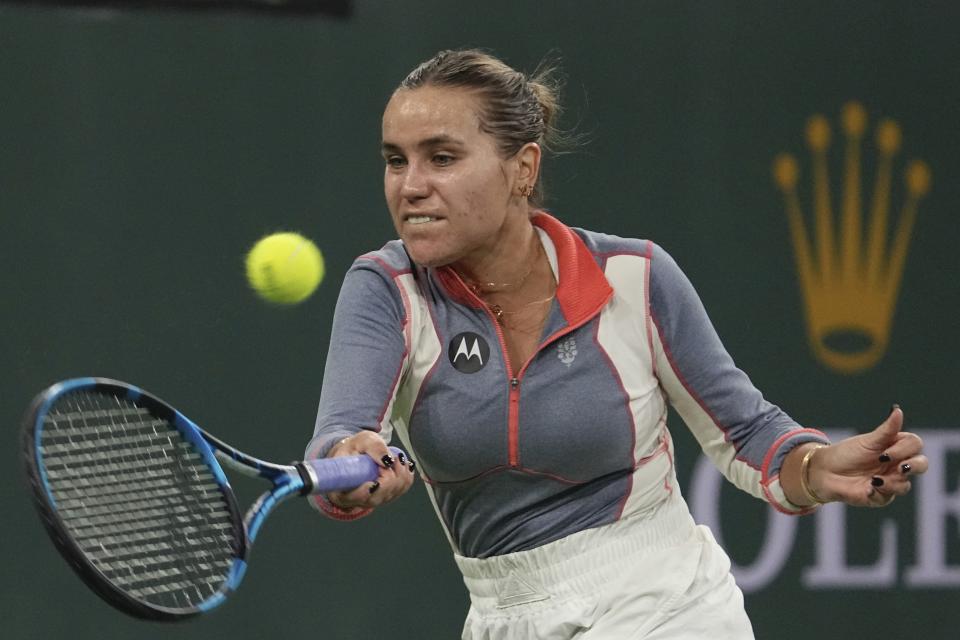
[(395, 162), (442, 159)]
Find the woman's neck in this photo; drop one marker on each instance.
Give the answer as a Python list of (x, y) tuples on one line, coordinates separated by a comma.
[(507, 265)]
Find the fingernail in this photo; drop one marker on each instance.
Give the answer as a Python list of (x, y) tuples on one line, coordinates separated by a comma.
[(387, 461), (876, 481), (374, 487), (402, 458), (894, 408), (905, 467), (413, 465), (884, 457)]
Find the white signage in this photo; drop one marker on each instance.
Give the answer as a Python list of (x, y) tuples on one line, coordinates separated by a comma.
[(936, 506)]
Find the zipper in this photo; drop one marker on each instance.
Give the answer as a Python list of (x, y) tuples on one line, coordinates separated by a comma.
[(513, 411), (513, 424)]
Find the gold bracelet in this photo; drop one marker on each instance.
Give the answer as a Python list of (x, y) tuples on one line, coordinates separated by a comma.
[(804, 476)]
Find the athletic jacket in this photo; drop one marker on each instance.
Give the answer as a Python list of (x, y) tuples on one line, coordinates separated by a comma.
[(518, 454)]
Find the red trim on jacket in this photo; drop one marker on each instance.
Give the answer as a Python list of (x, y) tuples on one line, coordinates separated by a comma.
[(582, 289), (767, 480)]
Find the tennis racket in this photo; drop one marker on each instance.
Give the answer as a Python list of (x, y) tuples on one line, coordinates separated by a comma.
[(134, 498)]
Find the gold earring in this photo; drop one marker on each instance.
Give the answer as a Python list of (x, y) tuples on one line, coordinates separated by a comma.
[(526, 190)]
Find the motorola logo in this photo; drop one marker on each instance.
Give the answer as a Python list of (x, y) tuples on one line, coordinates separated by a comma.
[(468, 352)]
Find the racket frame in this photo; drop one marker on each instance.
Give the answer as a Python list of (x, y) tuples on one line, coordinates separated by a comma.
[(287, 480)]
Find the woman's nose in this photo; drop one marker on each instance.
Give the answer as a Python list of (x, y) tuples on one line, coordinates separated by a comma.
[(415, 183)]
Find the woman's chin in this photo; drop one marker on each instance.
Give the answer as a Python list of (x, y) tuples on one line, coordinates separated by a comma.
[(432, 264), (427, 256)]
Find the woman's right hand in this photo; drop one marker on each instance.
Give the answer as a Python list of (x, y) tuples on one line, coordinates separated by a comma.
[(395, 479)]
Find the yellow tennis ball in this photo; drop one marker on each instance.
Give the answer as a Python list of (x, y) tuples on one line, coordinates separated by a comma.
[(284, 267)]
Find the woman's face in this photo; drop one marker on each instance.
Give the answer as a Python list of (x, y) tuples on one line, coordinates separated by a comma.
[(447, 188)]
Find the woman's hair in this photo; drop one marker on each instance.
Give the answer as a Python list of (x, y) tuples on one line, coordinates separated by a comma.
[(515, 109)]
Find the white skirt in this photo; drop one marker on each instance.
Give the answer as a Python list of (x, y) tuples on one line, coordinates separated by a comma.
[(653, 576)]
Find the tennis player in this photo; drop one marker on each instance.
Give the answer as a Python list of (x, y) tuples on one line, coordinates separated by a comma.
[(528, 365)]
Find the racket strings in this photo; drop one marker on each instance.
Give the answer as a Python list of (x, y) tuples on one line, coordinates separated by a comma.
[(141, 503)]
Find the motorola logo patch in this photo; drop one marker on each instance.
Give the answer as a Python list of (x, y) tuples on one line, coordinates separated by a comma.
[(468, 352)]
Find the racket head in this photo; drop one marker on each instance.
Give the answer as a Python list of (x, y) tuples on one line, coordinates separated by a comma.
[(133, 498)]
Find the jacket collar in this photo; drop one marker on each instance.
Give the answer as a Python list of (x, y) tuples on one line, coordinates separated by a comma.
[(582, 289)]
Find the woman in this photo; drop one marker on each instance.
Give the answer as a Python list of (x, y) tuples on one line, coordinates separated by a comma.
[(527, 367)]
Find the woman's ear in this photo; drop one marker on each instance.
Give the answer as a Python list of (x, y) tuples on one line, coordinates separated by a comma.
[(528, 164)]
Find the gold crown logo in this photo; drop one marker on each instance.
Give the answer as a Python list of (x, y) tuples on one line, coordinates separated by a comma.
[(850, 275)]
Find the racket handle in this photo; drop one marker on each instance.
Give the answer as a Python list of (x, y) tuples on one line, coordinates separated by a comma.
[(343, 472)]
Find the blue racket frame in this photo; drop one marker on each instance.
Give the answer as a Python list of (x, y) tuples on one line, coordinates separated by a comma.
[(315, 476)]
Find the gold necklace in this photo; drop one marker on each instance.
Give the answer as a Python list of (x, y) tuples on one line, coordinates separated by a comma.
[(499, 312), (480, 288), (494, 287)]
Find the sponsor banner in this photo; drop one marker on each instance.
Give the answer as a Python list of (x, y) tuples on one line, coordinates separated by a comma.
[(932, 534)]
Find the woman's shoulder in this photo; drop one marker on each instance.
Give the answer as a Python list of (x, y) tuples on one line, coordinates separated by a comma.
[(606, 244), (374, 279), (391, 259)]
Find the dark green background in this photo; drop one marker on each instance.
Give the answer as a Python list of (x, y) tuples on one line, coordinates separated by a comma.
[(142, 154)]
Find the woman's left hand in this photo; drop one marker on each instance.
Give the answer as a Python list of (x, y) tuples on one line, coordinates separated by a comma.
[(871, 469)]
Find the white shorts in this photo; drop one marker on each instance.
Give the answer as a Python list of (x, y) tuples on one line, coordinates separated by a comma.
[(657, 576)]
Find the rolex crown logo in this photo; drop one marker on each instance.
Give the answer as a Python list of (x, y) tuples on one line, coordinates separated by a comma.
[(849, 266)]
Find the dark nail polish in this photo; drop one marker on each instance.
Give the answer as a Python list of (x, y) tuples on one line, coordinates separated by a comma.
[(387, 461), (884, 457), (402, 458), (905, 467), (374, 487), (413, 465), (876, 481)]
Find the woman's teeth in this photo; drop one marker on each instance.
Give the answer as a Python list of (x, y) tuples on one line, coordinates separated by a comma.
[(420, 219)]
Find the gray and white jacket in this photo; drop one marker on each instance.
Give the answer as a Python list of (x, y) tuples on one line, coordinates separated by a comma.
[(518, 454)]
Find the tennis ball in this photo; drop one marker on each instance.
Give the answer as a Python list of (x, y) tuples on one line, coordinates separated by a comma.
[(284, 268)]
